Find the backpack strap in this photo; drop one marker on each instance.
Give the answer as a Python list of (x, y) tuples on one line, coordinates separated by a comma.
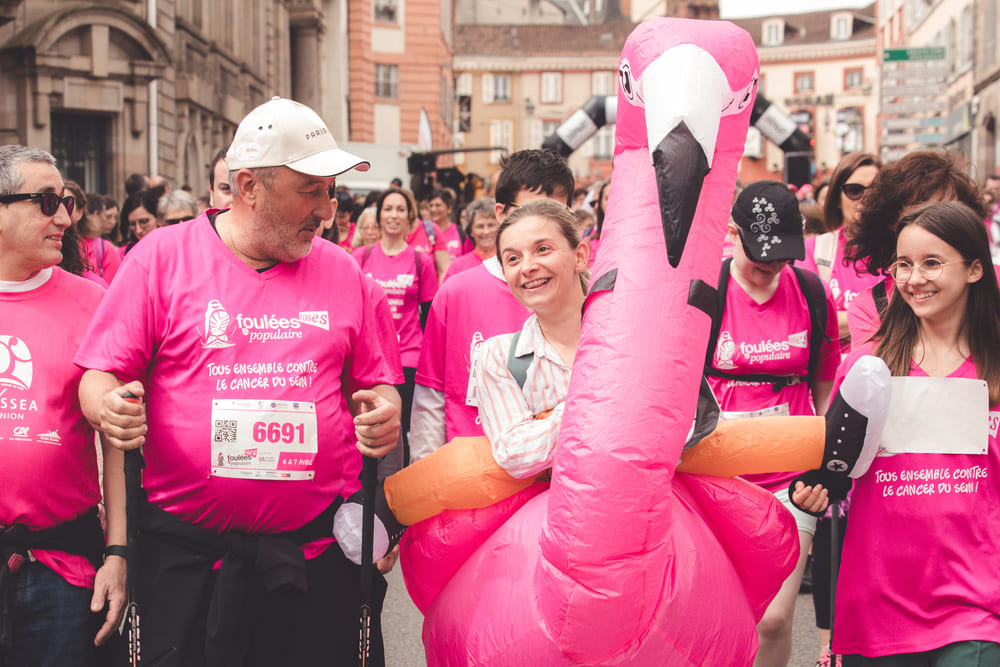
[(812, 290), (367, 255), (720, 309), (881, 298), (824, 253), (518, 366), (429, 232)]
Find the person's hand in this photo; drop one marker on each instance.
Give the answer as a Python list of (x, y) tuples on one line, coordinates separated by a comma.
[(388, 561), (811, 499), (109, 587), (377, 423), (123, 420)]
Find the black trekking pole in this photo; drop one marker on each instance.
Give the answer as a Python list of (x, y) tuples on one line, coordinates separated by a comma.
[(133, 492), (369, 478), (834, 567)]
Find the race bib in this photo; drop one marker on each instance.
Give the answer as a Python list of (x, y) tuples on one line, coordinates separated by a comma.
[(773, 411), (937, 416), (260, 439)]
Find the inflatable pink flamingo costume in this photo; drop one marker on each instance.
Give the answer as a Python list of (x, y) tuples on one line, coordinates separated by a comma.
[(621, 561)]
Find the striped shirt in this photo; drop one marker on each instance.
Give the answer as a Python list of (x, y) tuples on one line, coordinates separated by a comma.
[(522, 445)]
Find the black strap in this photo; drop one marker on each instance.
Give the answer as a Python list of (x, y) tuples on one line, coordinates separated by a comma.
[(815, 295), (518, 366), (881, 298)]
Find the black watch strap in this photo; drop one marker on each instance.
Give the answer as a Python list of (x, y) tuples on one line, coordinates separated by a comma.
[(116, 550)]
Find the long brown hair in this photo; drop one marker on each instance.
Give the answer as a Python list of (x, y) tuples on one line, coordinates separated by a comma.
[(961, 228)]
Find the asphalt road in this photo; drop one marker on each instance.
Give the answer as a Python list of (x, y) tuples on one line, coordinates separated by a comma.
[(401, 625)]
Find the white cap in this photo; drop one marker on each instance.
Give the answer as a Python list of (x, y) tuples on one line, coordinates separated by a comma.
[(284, 133)]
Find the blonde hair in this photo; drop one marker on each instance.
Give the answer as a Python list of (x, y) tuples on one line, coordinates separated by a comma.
[(554, 212)]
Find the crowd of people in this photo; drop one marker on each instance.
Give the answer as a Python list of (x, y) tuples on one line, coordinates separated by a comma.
[(256, 344)]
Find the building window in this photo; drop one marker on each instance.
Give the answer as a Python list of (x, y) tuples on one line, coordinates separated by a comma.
[(853, 78), (496, 88), (501, 136), (551, 87), (386, 11), (602, 83), (604, 143), (463, 84), (804, 82), (840, 26), (774, 32), (387, 82)]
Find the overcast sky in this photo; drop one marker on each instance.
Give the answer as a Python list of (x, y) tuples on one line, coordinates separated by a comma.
[(737, 9)]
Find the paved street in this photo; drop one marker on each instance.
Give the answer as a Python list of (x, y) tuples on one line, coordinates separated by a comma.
[(401, 623)]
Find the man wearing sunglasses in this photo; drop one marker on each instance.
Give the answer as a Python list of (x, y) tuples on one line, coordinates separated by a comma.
[(56, 573)]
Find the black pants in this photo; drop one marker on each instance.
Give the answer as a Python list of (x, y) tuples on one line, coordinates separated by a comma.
[(406, 394), (322, 630)]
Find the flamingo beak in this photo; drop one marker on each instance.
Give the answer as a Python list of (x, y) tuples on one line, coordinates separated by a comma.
[(685, 94)]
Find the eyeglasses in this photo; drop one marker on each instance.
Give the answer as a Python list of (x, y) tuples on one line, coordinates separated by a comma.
[(174, 221), (141, 222), (49, 201), (853, 191), (930, 269)]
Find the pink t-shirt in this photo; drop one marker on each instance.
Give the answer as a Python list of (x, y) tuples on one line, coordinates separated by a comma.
[(772, 338), (256, 363), (48, 466), (407, 286), (471, 307), (453, 241), (463, 263), (862, 315), (418, 240), (845, 282), (919, 565), (102, 256)]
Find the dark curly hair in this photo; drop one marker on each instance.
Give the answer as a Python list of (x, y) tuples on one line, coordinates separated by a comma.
[(914, 179)]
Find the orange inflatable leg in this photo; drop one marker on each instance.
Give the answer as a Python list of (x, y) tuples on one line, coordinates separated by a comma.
[(460, 475), (765, 444)]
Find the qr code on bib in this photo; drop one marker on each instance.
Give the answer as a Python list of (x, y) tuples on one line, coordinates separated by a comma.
[(225, 430)]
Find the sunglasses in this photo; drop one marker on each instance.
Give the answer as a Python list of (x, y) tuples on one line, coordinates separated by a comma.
[(49, 201), (174, 221), (853, 191)]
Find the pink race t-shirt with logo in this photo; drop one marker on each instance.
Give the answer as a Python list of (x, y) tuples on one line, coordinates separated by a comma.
[(464, 263), (471, 307), (453, 241), (407, 286), (770, 338), (417, 239), (918, 570), (845, 282), (48, 466), (245, 374)]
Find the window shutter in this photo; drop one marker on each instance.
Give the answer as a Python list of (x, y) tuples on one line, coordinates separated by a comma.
[(488, 89)]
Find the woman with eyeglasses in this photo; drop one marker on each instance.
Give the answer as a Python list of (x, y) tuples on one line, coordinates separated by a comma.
[(175, 207), (825, 253), (918, 583), (138, 217), (917, 178)]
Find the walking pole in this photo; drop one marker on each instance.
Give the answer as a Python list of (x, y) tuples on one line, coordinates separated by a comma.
[(369, 478), (834, 567), (133, 492)]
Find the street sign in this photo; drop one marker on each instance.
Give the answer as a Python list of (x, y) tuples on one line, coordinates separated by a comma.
[(915, 107), (907, 139), (911, 123), (922, 53)]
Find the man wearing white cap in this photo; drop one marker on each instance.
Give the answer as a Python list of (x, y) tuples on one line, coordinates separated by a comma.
[(247, 339)]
